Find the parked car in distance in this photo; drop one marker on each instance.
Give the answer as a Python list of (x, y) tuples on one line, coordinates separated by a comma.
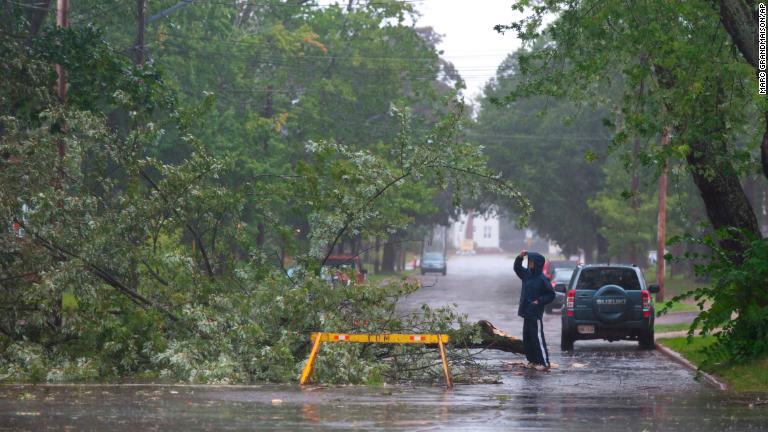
[(551, 266), (434, 262), (610, 302), (345, 268), (560, 281)]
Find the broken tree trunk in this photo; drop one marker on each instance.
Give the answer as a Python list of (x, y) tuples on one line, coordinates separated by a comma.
[(492, 338)]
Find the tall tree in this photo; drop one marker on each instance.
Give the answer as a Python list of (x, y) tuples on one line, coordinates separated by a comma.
[(548, 147), (704, 105), (740, 19)]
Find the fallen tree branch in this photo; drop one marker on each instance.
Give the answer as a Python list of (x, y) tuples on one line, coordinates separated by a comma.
[(102, 273), (198, 238), (492, 338)]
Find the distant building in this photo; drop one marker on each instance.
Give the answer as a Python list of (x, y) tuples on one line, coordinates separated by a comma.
[(483, 230)]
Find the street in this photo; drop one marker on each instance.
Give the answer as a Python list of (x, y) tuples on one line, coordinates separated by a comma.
[(600, 386)]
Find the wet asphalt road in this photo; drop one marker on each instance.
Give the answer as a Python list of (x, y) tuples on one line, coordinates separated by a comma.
[(599, 386)]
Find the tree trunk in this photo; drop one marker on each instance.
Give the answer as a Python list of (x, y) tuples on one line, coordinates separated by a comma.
[(713, 173), (491, 338), (36, 11), (268, 112), (376, 255), (764, 148), (138, 46), (762, 217), (261, 235), (602, 249), (388, 258), (740, 17), (724, 199)]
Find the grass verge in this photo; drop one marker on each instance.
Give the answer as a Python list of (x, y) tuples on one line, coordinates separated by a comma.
[(663, 328), (678, 307), (750, 377), (380, 278)]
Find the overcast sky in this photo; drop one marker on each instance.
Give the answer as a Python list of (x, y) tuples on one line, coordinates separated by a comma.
[(469, 40)]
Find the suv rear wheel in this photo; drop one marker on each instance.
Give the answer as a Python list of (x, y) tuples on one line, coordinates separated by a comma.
[(646, 339)]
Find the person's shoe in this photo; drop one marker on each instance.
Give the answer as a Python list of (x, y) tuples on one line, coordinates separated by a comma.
[(530, 365), (542, 368)]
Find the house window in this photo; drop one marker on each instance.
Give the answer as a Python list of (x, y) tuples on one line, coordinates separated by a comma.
[(487, 232)]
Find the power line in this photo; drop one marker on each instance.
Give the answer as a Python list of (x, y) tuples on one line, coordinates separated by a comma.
[(110, 7), (291, 62), (541, 137)]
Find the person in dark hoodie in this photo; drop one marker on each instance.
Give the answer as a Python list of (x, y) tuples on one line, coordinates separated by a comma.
[(536, 293)]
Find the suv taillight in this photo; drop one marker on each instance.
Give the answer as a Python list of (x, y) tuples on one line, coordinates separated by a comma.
[(646, 304), (569, 302)]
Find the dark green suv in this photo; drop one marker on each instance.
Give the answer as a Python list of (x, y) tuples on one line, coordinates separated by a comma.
[(610, 302)]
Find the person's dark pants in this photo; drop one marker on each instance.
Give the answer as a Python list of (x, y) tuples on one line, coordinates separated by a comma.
[(534, 343)]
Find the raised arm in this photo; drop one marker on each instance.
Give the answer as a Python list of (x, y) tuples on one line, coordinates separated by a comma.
[(522, 272)]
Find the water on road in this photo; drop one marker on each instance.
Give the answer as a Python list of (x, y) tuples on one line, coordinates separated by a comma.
[(598, 386)]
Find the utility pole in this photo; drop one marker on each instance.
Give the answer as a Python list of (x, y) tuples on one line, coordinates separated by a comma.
[(662, 221), (62, 21), (62, 11), (636, 187), (138, 47)]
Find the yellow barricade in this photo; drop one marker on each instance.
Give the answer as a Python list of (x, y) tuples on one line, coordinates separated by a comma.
[(432, 339)]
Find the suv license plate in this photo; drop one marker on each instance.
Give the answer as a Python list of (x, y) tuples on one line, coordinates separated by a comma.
[(586, 329)]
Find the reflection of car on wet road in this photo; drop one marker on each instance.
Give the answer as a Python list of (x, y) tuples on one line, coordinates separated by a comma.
[(610, 302), (434, 262), (560, 281)]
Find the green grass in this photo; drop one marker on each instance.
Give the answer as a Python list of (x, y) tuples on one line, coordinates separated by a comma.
[(378, 278), (678, 307), (750, 377), (663, 328)]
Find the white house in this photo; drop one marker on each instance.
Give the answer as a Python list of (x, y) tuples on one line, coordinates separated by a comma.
[(482, 229)]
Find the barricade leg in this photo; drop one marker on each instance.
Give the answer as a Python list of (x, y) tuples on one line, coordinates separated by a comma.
[(305, 374), (448, 379)]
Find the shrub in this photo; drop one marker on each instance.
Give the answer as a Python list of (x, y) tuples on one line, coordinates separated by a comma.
[(738, 315)]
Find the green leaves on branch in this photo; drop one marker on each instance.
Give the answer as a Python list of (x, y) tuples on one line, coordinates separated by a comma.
[(357, 185), (737, 312)]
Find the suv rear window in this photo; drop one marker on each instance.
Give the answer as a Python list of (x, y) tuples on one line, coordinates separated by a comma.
[(557, 265), (596, 277), (562, 275)]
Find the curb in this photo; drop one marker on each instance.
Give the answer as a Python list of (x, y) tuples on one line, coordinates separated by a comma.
[(674, 355)]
